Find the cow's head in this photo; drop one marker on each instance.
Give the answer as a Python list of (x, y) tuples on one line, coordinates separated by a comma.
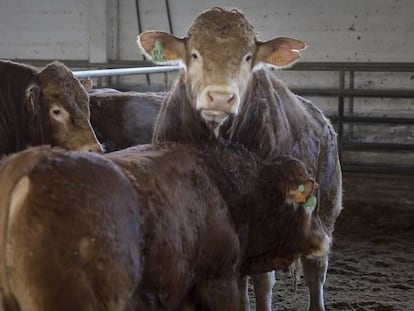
[(219, 52), (66, 106)]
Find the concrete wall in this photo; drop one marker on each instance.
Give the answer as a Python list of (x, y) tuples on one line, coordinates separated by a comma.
[(336, 30)]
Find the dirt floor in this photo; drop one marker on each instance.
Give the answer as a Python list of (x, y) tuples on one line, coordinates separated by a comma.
[(371, 264)]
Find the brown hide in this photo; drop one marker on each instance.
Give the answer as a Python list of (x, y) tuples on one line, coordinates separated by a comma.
[(85, 249), (273, 122), (32, 101), (153, 235), (124, 119), (71, 244)]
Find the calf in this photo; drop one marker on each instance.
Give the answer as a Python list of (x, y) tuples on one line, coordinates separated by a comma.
[(227, 90), (43, 107), (174, 232)]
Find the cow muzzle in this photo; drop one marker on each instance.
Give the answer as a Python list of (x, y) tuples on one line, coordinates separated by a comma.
[(216, 103)]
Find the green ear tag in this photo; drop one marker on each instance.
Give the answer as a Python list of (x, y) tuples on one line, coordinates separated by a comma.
[(310, 202), (301, 188), (157, 53)]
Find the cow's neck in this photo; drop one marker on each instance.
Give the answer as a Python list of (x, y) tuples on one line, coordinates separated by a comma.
[(178, 120), (254, 192), (272, 233), (262, 125)]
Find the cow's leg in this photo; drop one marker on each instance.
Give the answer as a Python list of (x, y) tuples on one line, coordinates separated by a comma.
[(314, 271), (263, 284), (244, 294)]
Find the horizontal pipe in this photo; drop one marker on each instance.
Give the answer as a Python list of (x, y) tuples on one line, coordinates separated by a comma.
[(124, 71), (391, 93), (356, 146), (376, 120)]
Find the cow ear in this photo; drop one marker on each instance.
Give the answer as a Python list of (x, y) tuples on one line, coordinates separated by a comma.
[(280, 52), (87, 84), (161, 47), (300, 192), (32, 94)]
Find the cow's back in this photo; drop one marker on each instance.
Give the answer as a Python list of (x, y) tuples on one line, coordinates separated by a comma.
[(186, 223), (71, 244)]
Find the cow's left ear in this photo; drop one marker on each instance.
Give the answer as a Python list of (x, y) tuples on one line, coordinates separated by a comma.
[(162, 47), (280, 52), (299, 193)]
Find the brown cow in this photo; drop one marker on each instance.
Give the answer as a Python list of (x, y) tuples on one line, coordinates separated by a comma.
[(124, 119), (173, 232), (226, 80), (46, 107)]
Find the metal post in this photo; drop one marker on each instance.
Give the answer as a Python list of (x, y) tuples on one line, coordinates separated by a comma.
[(341, 110)]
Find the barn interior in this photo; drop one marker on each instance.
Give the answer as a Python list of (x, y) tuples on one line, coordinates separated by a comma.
[(358, 68)]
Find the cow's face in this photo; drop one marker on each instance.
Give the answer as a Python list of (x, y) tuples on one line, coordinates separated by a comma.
[(66, 106), (219, 52)]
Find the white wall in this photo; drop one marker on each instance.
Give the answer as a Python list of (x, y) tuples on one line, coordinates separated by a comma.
[(53, 29), (335, 30)]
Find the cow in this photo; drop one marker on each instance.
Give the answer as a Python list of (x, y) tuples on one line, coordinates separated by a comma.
[(228, 91), (124, 119), (43, 107), (173, 233)]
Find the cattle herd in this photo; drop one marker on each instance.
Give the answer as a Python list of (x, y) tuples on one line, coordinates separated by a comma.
[(228, 175)]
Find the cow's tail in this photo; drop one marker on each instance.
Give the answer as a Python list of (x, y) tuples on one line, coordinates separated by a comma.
[(13, 180)]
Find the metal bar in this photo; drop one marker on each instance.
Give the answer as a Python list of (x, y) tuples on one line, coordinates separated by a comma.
[(167, 7), (354, 146), (124, 71), (140, 31), (355, 93), (371, 67), (392, 120), (351, 101), (377, 169), (341, 99)]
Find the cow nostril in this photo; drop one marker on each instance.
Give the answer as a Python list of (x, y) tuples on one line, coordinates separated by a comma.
[(210, 96)]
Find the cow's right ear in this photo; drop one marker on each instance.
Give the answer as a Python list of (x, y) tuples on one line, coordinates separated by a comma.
[(162, 47)]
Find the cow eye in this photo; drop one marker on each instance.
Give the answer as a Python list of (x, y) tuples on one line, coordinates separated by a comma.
[(56, 111), (194, 56), (248, 58)]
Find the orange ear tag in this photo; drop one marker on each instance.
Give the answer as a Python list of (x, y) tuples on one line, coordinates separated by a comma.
[(299, 196)]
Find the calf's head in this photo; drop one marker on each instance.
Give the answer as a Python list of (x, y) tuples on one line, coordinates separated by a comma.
[(65, 106), (219, 53)]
